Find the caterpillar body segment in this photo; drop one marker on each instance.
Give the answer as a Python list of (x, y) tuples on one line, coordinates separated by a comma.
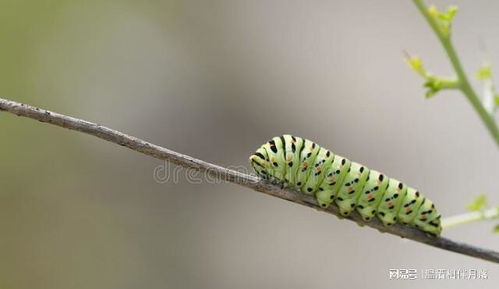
[(428, 217), (305, 166), (322, 161), (371, 195), (390, 203), (293, 154), (351, 188), (275, 153), (308, 153), (333, 180)]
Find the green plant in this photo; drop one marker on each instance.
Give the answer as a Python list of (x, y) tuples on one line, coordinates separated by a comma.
[(441, 24)]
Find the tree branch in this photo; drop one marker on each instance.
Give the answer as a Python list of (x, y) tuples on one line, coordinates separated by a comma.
[(232, 176)]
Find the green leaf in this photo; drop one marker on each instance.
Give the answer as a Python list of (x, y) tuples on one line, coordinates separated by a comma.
[(478, 203), (496, 98), (496, 229)]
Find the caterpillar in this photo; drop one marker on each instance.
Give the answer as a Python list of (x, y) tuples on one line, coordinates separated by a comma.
[(301, 164)]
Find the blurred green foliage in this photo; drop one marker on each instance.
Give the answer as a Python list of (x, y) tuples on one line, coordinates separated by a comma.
[(478, 203)]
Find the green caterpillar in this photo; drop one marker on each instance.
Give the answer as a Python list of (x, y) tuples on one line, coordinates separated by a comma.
[(303, 165)]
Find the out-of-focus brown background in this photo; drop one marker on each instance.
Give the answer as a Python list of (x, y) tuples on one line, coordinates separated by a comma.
[(215, 79)]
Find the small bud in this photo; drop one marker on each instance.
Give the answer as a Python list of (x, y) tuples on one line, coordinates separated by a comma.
[(433, 85), (451, 12), (484, 72), (416, 64), (449, 15), (436, 83), (443, 20), (433, 11)]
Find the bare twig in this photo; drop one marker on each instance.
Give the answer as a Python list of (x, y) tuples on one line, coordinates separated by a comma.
[(245, 180)]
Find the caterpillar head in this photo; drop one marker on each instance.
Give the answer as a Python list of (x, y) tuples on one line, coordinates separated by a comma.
[(260, 163)]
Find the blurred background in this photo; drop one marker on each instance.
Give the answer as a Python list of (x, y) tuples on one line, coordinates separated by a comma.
[(215, 79)]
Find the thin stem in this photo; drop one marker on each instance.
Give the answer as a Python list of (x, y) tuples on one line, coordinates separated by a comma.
[(464, 84), (448, 83), (472, 217), (249, 181)]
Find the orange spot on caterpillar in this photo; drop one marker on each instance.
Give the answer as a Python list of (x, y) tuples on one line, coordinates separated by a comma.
[(390, 204)]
